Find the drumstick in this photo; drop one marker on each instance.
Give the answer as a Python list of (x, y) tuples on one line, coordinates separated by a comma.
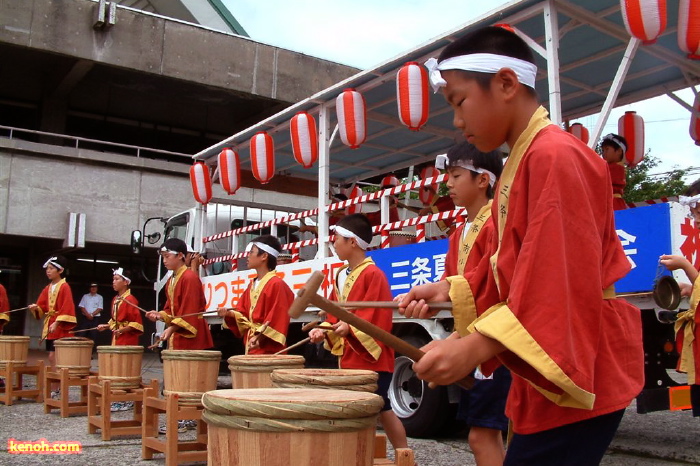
[(298, 343), (308, 295), (129, 302), (84, 330), (259, 331), (15, 310), (446, 306), (310, 325)]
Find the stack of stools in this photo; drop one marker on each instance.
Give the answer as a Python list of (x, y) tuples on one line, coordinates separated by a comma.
[(187, 375), (14, 351), (343, 379), (119, 381), (73, 359)]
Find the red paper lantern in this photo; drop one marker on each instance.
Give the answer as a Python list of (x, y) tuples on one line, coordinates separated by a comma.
[(428, 193), (689, 28), (412, 95), (644, 19), (580, 131), (304, 139), (505, 26), (352, 118), (201, 182), (353, 193), (389, 181), (631, 127), (262, 157), (229, 170), (695, 121)]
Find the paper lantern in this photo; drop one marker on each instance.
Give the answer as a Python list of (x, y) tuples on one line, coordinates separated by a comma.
[(201, 182), (695, 121), (353, 193), (631, 127), (505, 26), (389, 181), (428, 193), (412, 95), (580, 131), (689, 28), (644, 19), (262, 157), (229, 170), (352, 118), (304, 139)]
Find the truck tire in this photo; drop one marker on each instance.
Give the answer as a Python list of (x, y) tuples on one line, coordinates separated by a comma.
[(424, 412)]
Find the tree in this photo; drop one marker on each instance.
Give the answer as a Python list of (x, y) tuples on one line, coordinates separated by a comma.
[(641, 186)]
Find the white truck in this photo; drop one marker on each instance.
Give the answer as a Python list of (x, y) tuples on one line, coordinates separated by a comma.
[(578, 43)]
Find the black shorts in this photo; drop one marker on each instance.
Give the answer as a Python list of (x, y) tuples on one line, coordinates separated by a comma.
[(484, 405), (383, 384), (49, 346), (695, 399)]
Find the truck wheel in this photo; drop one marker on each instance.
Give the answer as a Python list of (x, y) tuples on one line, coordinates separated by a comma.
[(423, 411)]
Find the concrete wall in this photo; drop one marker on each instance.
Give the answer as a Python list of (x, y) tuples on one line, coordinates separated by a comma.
[(151, 44)]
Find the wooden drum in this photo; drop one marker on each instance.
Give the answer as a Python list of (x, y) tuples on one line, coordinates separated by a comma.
[(121, 365), (401, 238), (253, 370), (74, 354), (291, 427), (337, 379), (189, 373), (13, 349)]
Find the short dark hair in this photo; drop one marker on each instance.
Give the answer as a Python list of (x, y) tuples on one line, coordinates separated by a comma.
[(491, 39), (175, 244), (274, 243), (358, 224), (63, 263), (693, 189), (467, 152), (610, 142)]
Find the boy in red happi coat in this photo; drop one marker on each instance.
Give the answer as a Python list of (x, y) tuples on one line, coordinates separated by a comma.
[(266, 301), (125, 316)]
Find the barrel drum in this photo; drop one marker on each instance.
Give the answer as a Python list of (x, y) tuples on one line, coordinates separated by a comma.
[(189, 373), (74, 354), (336, 379), (120, 365), (13, 349)]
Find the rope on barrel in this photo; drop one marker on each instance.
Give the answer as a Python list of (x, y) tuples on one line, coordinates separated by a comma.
[(370, 388), (291, 425)]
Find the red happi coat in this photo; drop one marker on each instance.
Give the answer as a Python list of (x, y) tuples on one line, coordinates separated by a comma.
[(56, 306), (186, 296), (358, 350), (268, 302), (687, 338), (575, 352), (619, 181), (125, 314), (4, 307)]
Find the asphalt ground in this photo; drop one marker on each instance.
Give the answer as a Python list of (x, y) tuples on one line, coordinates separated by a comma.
[(660, 438)]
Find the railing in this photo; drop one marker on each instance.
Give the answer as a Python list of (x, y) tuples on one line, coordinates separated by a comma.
[(77, 140)]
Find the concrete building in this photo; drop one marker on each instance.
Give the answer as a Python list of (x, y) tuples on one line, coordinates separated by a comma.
[(99, 118)]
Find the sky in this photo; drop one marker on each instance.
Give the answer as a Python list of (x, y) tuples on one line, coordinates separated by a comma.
[(364, 33)]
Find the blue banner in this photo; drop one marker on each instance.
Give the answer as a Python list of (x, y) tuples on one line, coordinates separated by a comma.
[(411, 265)]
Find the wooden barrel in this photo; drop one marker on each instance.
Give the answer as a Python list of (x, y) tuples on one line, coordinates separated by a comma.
[(401, 238), (289, 426), (121, 365), (74, 353), (13, 349), (190, 373), (337, 379), (253, 370)]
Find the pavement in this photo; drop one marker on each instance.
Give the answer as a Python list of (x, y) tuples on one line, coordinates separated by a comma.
[(660, 438)]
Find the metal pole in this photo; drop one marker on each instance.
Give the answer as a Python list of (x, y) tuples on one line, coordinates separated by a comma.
[(324, 149), (551, 27)]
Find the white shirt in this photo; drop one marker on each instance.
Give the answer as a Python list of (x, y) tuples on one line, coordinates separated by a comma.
[(91, 303)]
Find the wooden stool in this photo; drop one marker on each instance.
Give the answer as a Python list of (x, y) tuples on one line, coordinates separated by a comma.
[(403, 456), (14, 390), (175, 451), (66, 380), (101, 395)]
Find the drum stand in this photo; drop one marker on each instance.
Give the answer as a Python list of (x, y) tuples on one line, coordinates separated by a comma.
[(66, 380), (14, 390), (175, 451), (403, 456), (101, 395)]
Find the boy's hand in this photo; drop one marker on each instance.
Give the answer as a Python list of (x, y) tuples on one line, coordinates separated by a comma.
[(443, 363), (342, 329), (152, 316), (222, 312), (673, 262), (413, 304), (686, 289), (254, 342), (102, 327), (168, 332), (316, 335)]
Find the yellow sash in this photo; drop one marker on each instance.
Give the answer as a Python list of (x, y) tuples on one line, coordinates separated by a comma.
[(365, 340), (115, 324), (686, 323), (467, 241)]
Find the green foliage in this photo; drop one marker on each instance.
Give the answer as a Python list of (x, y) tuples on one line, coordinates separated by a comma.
[(642, 187)]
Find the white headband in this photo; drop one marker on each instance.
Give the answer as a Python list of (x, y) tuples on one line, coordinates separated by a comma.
[(345, 233), (690, 201), (481, 63), (52, 261), (120, 272), (263, 247), (612, 137), (442, 162), (164, 249)]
